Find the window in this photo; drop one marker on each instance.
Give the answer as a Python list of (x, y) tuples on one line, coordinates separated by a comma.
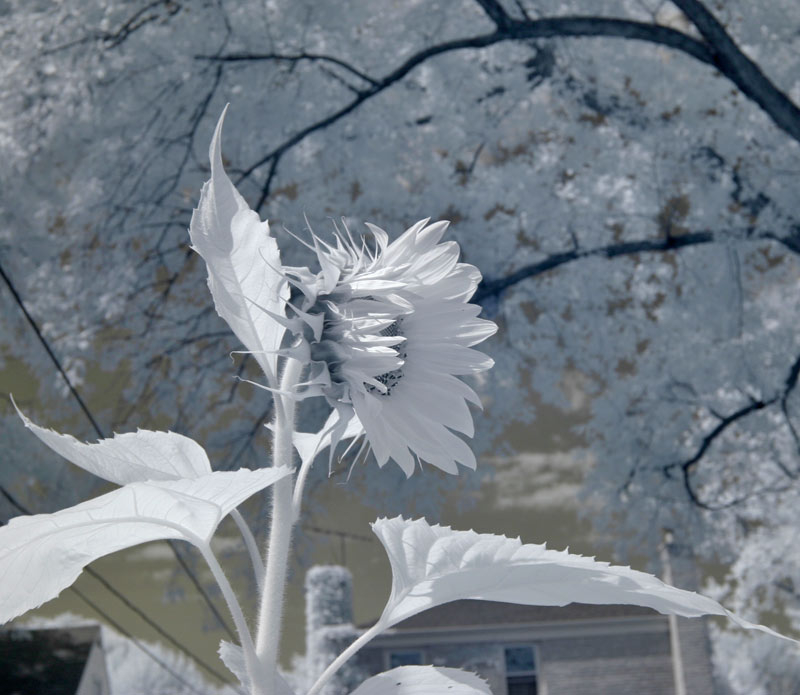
[(405, 658), (520, 670)]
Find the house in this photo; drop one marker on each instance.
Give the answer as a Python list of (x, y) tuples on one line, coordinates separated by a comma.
[(519, 650), (64, 661)]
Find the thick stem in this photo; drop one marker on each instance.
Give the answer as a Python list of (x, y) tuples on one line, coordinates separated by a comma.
[(271, 609), (339, 661)]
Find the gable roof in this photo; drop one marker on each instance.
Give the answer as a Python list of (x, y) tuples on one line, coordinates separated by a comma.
[(45, 662)]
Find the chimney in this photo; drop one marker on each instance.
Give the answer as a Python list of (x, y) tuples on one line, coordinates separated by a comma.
[(329, 627)]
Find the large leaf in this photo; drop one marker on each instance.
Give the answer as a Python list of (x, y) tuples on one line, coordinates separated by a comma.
[(423, 680), (432, 565), (131, 457), (243, 262), (43, 554)]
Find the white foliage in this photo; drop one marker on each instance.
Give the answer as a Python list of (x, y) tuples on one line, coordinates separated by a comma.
[(753, 664), (130, 457), (238, 251), (423, 680), (432, 565), (43, 554), (233, 657), (535, 147), (131, 670)]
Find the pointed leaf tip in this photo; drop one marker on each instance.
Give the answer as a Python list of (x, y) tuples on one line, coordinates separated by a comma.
[(231, 238), (433, 565), (130, 457), (215, 147)]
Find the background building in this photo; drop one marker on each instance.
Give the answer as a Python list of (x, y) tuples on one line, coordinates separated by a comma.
[(65, 661), (520, 650)]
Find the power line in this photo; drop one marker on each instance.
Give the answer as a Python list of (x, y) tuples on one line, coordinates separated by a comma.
[(341, 534), (343, 537), (101, 435), (127, 602), (135, 641), (49, 351)]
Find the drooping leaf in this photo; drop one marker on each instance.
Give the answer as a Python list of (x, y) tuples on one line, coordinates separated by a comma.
[(243, 262), (423, 680), (432, 565), (233, 657), (43, 554), (129, 458)]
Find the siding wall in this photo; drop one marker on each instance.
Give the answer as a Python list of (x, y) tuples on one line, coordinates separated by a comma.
[(567, 666), (608, 665)]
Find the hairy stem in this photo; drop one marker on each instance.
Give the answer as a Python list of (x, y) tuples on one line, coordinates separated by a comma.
[(252, 547), (271, 609)]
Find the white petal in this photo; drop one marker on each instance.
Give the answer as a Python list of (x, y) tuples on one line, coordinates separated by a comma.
[(428, 237), (429, 440), (368, 408), (308, 445), (432, 400), (400, 453), (381, 237), (433, 266), (330, 270), (459, 285), (402, 248), (452, 359)]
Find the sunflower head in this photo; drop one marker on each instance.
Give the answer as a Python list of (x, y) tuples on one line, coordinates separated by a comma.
[(386, 329)]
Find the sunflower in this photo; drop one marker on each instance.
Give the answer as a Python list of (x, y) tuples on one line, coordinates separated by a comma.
[(384, 330), (388, 330)]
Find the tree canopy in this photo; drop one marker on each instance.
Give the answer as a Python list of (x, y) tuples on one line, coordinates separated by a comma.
[(624, 174)]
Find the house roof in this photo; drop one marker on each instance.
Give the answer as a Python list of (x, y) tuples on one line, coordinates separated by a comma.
[(44, 662), (470, 613)]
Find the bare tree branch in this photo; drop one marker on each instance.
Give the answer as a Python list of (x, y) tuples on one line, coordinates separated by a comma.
[(142, 17), (494, 288), (689, 465), (555, 27), (742, 71), (496, 12), (721, 54), (287, 58)]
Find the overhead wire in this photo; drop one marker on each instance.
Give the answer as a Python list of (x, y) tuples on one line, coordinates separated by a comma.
[(135, 641), (181, 560), (127, 602), (98, 430)]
